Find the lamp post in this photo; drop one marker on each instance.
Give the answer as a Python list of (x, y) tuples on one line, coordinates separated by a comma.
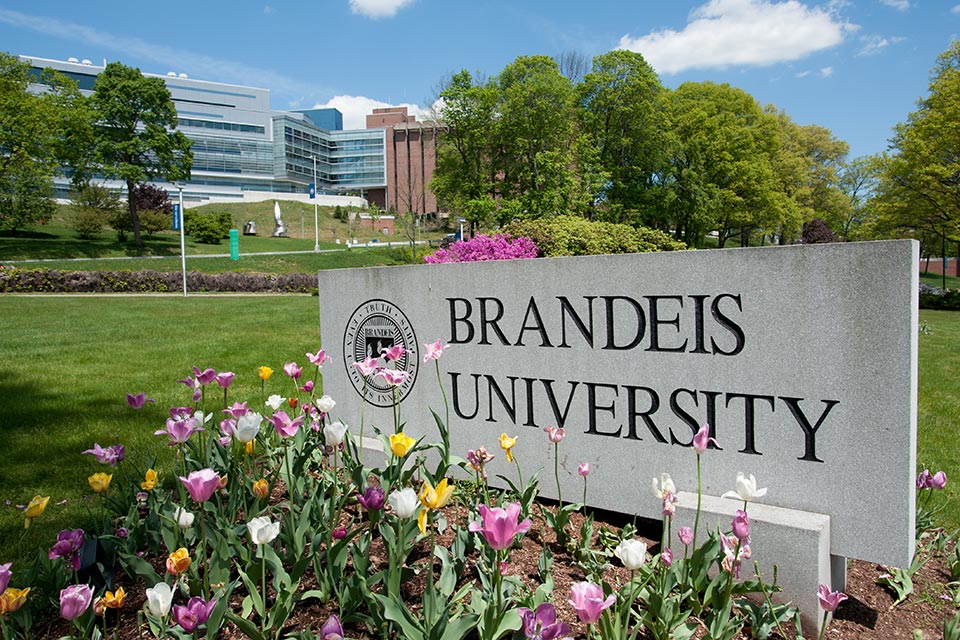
[(316, 219), (183, 253)]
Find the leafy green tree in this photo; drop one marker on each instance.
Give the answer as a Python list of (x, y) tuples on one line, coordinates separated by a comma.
[(136, 136), (32, 139), (857, 181)]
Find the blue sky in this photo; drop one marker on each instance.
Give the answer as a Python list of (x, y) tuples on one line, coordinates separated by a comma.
[(856, 67)]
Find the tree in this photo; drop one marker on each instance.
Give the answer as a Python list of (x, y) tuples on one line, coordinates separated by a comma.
[(32, 139), (136, 136), (857, 182)]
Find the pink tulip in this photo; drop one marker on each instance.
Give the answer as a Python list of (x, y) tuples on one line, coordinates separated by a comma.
[(741, 525), (204, 377), (237, 410), (293, 370), (829, 600), (702, 439), (923, 480), (587, 599), (107, 455), (201, 484), (393, 377), (68, 546), (75, 600), (194, 385), (686, 535), (939, 480), (284, 426), (554, 434), (307, 387), (318, 358), (179, 431), (225, 379), (331, 629), (666, 557), (434, 350), (181, 413), (138, 400), (499, 526), (5, 575), (367, 367), (394, 353), (196, 612), (583, 469)]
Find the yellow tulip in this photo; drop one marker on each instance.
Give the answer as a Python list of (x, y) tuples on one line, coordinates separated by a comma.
[(249, 447), (12, 599), (400, 444), (433, 498), (35, 509), (111, 600), (100, 482), (149, 480), (506, 443), (265, 372), (178, 561), (261, 489)]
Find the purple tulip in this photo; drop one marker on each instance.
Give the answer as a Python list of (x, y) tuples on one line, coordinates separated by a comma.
[(741, 525), (924, 479), (331, 629), (138, 400), (237, 410), (181, 413), (228, 427), (543, 623), (372, 498), (307, 388), (666, 557), (204, 377), (829, 600), (201, 484), (194, 385), (702, 439), (939, 480), (68, 545), (339, 533), (225, 379), (284, 426), (293, 370), (195, 613), (107, 455), (122, 532), (318, 358), (75, 600), (179, 431), (499, 526), (686, 535), (588, 601), (5, 575)]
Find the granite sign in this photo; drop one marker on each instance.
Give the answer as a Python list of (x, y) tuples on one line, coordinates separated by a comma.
[(803, 361)]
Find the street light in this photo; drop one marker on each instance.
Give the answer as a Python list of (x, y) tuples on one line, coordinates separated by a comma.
[(183, 253), (316, 219)]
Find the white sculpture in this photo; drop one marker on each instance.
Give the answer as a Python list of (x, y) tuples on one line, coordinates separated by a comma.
[(279, 230)]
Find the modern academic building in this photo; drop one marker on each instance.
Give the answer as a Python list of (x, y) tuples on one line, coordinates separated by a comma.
[(243, 150)]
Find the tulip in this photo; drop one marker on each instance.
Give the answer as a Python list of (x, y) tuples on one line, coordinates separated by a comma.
[(666, 557), (179, 431), (939, 480), (149, 480), (183, 517), (588, 601), (372, 498), (403, 502), (100, 482), (68, 546), (75, 600), (261, 489), (178, 561), (307, 388), (107, 455), (113, 599), (159, 599), (434, 350), (201, 484), (583, 469), (367, 367), (137, 401), (5, 575), (275, 401), (554, 434), (686, 535), (433, 498), (741, 525), (543, 624), (506, 443), (393, 377), (334, 433), (400, 444), (35, 509), (665, 487), (247, 427), (702, 439), (196, 612), (194, 385), (262, 530), (746, 489), (284, 426), (12, 599), (632, 553), (478, 458), (293, 370), (225, 379), (339, 533), (237, 410), (394, 353), (499, 526), (122, 532), (325, 404), (829, 600), (734, 551), (924, 479), (318, 358), (204, 377), (331, 629)]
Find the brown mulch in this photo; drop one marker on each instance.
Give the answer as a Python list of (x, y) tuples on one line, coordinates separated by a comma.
[(868, 614)]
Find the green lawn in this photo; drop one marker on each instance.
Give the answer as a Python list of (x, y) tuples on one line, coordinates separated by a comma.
[(70, 361)]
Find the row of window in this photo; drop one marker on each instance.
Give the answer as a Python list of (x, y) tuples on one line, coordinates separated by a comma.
[(220, 126)]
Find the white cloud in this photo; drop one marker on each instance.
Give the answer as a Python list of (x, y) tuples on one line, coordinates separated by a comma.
[(268, 9), (873, 45), (802, 74), (355, 109), (723, 33), (956, 9), (826, 72), (899, 5), (378, 8)]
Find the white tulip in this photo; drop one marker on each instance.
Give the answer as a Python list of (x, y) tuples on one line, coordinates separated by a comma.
[(666, 486), (274, 402), (404, 502), (333, 433), (632, 553), (248, 426), (159, 599), (262, 530), (325, 404), (746, 489), (183, 517)]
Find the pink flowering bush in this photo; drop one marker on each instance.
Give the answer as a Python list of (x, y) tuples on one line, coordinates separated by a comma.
[(481, 247)]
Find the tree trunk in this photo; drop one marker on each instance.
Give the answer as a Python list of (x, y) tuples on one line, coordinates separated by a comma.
[(956, 265), (134, 216)]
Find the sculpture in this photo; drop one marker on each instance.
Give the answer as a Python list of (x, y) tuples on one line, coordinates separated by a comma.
[(279, 230)]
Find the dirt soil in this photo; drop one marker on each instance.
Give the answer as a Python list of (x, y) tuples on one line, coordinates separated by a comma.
[(868, 614)]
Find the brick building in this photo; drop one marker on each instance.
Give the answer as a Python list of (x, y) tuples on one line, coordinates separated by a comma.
[(411, 157)]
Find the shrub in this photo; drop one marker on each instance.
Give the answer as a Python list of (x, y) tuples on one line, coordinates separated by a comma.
[(86, 221), (816, 231), (155, 220), (15, 280), (576, 236), (120, 222), (481, 247), (208, 228), (149, 197)]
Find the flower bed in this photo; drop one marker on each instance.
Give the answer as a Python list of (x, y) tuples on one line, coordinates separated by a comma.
[(15, 280), (278, 525)]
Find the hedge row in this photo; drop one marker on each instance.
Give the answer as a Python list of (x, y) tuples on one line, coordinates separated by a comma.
[(14, 280)]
